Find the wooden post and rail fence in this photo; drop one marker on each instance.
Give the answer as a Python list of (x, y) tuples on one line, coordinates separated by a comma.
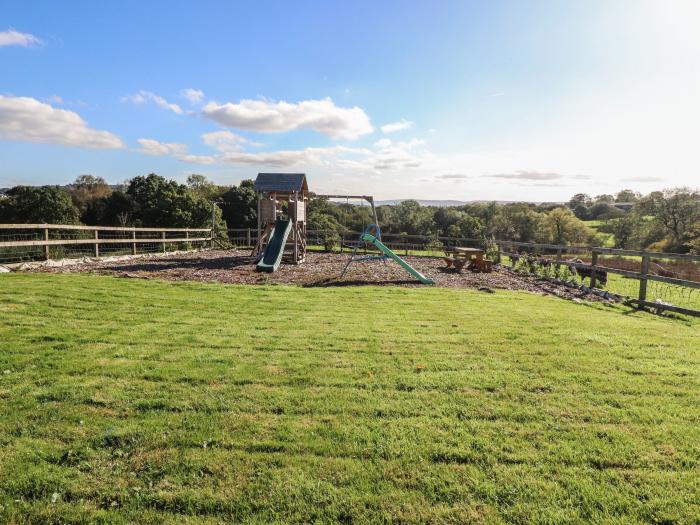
[(46, 236), (33, 236)]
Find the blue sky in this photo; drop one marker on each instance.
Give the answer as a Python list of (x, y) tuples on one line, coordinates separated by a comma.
[(466, 100)]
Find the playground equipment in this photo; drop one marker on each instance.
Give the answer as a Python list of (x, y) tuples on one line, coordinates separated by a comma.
[(280, 194), (372, 235), (272, 256)]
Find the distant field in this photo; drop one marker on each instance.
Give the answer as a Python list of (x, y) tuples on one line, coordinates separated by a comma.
[(608, 238), (131, 401)]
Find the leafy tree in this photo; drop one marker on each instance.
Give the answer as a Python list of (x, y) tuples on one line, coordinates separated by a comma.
[(327, 227), (516, 222), (38, 204), (117, 209), (627, 196), (605, 197), (561, 226), (157, 201), (88, 193), (677, 213), (580, 204), (604, 210), (626, 231), (203, 187), (239, 206)]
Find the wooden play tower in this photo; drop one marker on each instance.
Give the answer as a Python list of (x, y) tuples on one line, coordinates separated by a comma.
[(280, 196)]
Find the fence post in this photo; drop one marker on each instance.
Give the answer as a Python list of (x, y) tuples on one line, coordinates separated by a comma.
[(97, 245), (594, 262), (558, 265), (46, 246), (247, 237), (643, 279), (162, 236), (133, 244)]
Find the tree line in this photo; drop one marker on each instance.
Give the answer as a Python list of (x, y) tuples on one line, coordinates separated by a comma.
[(667, 220)]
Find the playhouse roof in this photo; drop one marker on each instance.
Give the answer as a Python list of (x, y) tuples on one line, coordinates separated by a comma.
[(281, 182)]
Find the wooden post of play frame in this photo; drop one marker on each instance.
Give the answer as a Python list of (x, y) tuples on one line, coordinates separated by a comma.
[(594, 262), (97, 244), (643, 279), (46, 246), (162, 236), (133, 244)]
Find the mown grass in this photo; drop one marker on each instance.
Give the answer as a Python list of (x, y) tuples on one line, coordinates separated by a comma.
[(151, 402)]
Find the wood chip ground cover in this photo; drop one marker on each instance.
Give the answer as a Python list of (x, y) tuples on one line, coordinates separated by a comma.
[(319, 270)]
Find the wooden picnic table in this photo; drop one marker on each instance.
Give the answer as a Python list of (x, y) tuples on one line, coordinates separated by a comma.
[(472, 258), (466, 253)]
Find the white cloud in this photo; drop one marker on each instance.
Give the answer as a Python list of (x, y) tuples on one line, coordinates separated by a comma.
[(393, 127), (194, 96), (224, 141), (143, 97), (27, 119), (643, 179), (12, 37), (522, 175), (154, 147), (197, 159), (322, 116), (385, 156), (456, 177)]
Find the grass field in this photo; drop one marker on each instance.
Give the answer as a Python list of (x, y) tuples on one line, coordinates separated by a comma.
[(151, 402), (607, 238)]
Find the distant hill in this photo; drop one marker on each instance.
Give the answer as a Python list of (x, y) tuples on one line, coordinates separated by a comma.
[(422, 202), (446, 203)]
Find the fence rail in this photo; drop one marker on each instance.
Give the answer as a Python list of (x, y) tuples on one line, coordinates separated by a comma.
[(644, 275), (14, 237)]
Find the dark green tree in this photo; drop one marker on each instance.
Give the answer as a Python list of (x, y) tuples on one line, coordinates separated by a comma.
[(239, 206), (38, 204)]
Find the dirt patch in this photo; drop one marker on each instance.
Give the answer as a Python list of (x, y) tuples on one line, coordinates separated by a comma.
[(319, 270)]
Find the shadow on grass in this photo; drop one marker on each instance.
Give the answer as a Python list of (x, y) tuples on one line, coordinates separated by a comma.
[(333, 282)]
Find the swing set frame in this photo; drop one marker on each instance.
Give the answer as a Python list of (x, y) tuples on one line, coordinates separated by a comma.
[(367, 198)]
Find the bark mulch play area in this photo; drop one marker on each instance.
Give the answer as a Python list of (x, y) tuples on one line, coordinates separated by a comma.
[(319, 270)]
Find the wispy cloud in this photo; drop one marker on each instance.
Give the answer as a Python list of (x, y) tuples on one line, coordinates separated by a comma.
[(385, 156), (526, 176), (400, 125), (224, 141), (12, 37), (456, 177), (268, 116), (142, 97), (193, 96), (28, 119), (643, 179), (154, 147)]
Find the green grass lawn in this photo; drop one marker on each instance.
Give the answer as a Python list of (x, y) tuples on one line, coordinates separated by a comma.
[(152, 402)]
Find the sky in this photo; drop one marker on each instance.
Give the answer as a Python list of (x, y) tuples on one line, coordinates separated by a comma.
[(504, 100)]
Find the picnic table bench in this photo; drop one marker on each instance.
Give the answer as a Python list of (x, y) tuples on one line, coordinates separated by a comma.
[(472, 258)]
